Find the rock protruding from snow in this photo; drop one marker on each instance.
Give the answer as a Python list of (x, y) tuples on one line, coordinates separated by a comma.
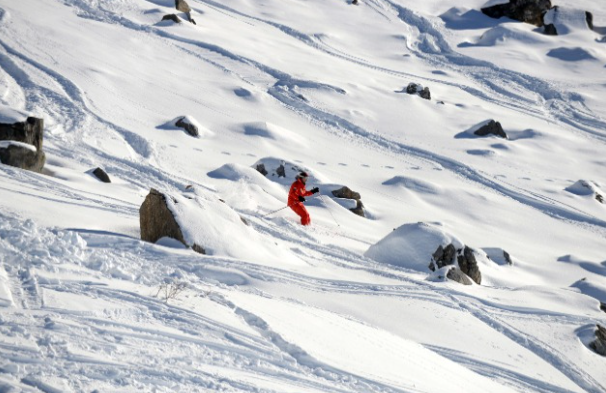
[(465, 258), (172, 17), (595, 289), (415, 88), (102, 175), (491, 128), (157, 220), (529, 11), (189, 125), (599, 344), (21, 144), (455, 274), (346, 193), (261, 169), (587, 188), (182, 6), (564, 20)]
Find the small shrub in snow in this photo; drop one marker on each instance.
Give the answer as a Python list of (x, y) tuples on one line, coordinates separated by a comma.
[(170, 289)]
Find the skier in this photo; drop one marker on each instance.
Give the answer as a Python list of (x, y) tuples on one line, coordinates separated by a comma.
[(297, 195)]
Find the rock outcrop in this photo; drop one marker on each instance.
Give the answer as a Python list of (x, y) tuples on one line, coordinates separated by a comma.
[(529, 11), (172, 17), (156, 220), (188, 126), (455, 274), (182, 6), (599, 344), (347, 193), (492, 127), (102, 175), (21, 144), (465, 258), (423, 92)]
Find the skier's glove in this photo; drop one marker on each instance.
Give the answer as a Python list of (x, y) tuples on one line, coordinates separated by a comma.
[(301, 199), (315, 190)]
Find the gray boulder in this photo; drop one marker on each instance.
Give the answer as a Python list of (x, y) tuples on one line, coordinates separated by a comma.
[(529, 11), (261, 169), (157, 221), (29, 132), (182, 6), (469, 265), (443, 256), (359, 209), (599, 344), (347, 193), (455, 274), (492, 127), (423, 92)]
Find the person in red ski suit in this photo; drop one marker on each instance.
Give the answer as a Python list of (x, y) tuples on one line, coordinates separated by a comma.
[(297, 195)]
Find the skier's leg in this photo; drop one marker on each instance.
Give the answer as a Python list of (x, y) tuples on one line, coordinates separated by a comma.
[(301, 212)]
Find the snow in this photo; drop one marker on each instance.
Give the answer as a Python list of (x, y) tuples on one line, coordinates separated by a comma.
[(347, 304), (6, 144)]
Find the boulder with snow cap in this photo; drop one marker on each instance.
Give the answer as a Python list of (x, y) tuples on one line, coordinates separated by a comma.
[(157, 220), (491, 128), (346, 192), (415, 88), (21, 144), (188, 125), (587, 188), (182, 6), (455, 274), (102, 175)]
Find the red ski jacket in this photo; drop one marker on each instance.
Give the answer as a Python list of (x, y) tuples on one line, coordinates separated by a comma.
[(296, 190)]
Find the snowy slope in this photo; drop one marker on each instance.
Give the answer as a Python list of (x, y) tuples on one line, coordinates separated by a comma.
[(339, 306)]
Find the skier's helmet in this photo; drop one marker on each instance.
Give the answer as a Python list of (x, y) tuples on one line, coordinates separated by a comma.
[(302, 174)]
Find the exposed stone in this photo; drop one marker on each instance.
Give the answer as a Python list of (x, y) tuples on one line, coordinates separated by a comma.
[(603, 306), (469, 265), (529, 11), (550, 29), (172, 17), (187, 126), (262, 170), (30, 132), (156, 220), (599, 344), (359, 209), (199, 249), (101, 175), (442, 257), (599, 198), (414, 88), (182, 6), (457, 275), (347, 193), (493, 127), (589, 19), (507, 257), (281, 171)]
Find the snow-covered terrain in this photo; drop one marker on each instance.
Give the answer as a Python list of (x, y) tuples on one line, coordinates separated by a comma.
[(347, 304)]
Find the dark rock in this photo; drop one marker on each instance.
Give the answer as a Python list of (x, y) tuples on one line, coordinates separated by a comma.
[(347, 193), (359, 209), (457, 275), (172, 17), (493, 127), (262, 170), (190, 128), (589, 19), (198, 249), (156, 220), (22, 157), (425, 93), (101, 175), (411, 88), (354, 2), (603, 306), (529, 11), (550, 29), (281, 171), (443, 257), (599, 198), (507, 257), (469, 265), (31, 132), (599, 344)]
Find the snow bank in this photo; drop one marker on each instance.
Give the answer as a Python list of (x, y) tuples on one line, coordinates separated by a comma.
[(9, 115), (210, 223), (6, 144), (268, 130), (412, 245), (592, 287)]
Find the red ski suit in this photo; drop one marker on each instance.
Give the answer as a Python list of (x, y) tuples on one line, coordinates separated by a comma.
[(296, 190)]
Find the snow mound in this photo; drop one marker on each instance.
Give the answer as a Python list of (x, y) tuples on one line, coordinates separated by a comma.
[(9, 115), (266, 130), (586, 188), (210, 223), (594, 287), (571, 54), (412, 245), (413, 184), (510, 32), (203, 132)]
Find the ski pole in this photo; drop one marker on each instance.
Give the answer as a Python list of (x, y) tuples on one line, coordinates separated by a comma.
[(333, 217), (282, 208)]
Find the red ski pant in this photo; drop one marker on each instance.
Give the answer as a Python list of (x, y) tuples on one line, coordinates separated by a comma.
[(301, 212)]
